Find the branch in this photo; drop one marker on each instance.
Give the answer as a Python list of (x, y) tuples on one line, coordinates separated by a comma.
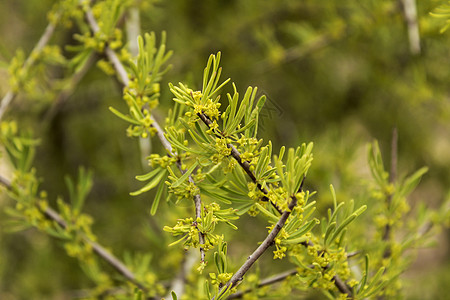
[(244, 164), (392, 178), (268, 241), (113, 58), (43, 41), (343, 288), (98, 249), (178, 284), (67, 92), (410, 13), (123, 77), (264, 282)]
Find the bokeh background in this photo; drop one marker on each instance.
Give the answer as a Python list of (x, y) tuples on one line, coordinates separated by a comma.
[(337, 73)]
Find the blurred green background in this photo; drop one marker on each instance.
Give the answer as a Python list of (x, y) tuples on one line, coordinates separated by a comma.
[(337, 73)]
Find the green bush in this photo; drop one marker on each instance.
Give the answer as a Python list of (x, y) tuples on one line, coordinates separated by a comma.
[(214, 190)]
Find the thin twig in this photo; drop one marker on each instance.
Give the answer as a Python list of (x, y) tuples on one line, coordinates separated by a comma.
[(392, 178), (123, 76), (238, 276), (264, 282), (284, 275), (43, 41), (68, 90), (98, 249)]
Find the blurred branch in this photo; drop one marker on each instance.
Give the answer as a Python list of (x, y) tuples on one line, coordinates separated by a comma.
[(410, 13), (301, 51), (123, 77), (43, 41), (97, 248), (394, 151), (178, 283), (133, 29), (392, 179), (69, 89), (132, 26)]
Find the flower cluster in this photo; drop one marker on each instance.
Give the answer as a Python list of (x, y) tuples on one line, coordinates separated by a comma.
[(325, 265), (99, 40), (184, 191), (220, 279), (155, 160), (222, 150), (280, 251)]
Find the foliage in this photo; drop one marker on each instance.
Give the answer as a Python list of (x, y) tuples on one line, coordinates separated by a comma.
[(215, 173)]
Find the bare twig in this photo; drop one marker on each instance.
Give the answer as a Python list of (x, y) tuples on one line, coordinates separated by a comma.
[(43, 41), (284, 275), (97, 248), (264, 282), (123, 76)]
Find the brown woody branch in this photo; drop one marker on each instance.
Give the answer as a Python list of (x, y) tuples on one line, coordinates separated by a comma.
[(264, 282), (284, 275), (268, 241), (280, 277), (339, 283)]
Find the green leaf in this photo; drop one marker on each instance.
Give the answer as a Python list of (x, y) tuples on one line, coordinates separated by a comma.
[(271, 216), (180, 180), (372, 285), (347, 221), (174, 296), (412, 181), (363, 280), (151, 184), (149, 175), (124, 117), (333, 194), (330, 228), (157, 199), (298, 236)]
